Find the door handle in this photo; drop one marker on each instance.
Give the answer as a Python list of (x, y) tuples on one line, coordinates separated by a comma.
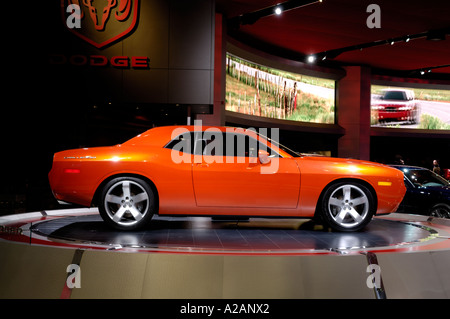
[(202, 164)]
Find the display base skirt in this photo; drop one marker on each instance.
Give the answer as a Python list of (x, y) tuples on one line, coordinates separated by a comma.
[(73, 254)]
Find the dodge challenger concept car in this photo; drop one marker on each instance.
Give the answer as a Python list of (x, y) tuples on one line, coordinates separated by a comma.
[(221, 171)]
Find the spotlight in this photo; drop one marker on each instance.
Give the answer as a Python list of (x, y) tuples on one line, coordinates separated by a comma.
[(407, 39), (311, 58), (278, 10), (391, 42), (422, 72)]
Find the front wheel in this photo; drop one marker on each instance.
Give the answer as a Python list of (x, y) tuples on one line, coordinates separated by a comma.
[(127, 203), (440, 211), (347, 206)]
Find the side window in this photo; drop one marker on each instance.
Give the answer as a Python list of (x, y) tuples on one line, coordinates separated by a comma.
[(213, 143), (182, 143), (242, 145), (226, 144)]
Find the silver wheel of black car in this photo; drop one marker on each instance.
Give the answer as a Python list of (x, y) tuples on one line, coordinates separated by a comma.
[(127, 203), (441, 211), (347, 206)]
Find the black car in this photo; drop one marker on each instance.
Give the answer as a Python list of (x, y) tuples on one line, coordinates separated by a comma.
[(426, 192)]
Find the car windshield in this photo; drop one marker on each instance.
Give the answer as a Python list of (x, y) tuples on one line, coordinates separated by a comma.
[(394, 95), (424, 178), (286, 149), (281, 146)]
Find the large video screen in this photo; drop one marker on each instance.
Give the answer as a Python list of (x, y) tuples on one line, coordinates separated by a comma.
[(406, 107), (259, 90)]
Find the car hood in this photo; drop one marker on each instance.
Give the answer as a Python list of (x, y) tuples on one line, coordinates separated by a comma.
[(337, 160), (345, 165), (442, 189)]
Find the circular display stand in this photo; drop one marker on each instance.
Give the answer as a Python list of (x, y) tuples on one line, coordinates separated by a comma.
[(73, 254)]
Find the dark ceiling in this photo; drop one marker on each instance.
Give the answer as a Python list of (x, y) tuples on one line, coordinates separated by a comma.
[(339, 28)]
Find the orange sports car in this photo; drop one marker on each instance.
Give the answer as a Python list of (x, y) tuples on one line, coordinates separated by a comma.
[(221, 171)]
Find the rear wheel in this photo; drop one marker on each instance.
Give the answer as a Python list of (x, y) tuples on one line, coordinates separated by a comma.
[(347, 206), (127, 203)]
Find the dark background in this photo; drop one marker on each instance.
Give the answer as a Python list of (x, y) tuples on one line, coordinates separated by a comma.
[(48, 108)]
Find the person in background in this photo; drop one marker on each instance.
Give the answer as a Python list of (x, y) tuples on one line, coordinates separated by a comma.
[(399, 160), (436, 167)]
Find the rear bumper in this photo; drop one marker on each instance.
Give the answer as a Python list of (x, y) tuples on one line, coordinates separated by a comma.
[(66, 187)]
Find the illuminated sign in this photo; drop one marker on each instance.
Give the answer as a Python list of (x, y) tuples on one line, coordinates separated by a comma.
[(125, 62), (100, 23)]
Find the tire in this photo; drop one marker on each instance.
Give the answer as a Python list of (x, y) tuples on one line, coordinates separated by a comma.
[(347, 206), (440, 211), (127, 203)]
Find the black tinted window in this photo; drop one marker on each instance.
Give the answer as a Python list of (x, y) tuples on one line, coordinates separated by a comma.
[(183, 143), (424, 178), (211, 143), (395, 95)]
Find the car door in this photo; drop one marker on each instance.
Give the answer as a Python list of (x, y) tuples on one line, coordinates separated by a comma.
[(228, 173)]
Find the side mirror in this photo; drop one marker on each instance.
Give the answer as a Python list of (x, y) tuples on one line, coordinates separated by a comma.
[(263, 157)]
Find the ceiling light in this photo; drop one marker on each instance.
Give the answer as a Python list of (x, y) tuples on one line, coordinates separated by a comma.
[(311, 58), (422, 72), (407, 39), (252, 17)]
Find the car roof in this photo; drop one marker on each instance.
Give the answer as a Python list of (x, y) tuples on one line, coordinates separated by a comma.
[(409, 167), (160, 136), (398, 89)]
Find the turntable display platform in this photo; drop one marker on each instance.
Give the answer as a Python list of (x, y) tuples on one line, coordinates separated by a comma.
[(396, 256)]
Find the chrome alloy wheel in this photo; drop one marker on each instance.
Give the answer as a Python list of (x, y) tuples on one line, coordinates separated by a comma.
[(440, 211), (126, 202), (348, 206)]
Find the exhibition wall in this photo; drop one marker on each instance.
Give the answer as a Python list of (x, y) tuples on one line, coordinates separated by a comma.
[(165, 56)]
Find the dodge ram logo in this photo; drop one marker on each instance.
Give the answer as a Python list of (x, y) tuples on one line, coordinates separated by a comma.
[(102, 22)]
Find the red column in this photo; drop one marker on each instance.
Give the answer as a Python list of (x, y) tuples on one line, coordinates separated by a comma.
[(353, 113)]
